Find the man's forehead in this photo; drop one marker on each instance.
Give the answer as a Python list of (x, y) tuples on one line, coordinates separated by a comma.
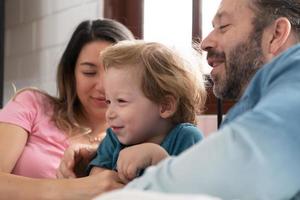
[(234, 4), (231, 8)]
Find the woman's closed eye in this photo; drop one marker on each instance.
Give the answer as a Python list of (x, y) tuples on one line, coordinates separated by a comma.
[(89, 73)]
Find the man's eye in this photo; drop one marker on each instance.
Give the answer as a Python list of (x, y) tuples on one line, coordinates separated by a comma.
[(223, 27)]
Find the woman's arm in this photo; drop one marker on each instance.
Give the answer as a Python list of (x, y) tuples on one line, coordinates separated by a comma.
[(12, 142), (17, 187)]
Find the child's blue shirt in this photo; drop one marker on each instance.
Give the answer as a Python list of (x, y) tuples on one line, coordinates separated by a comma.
[(181, 137)]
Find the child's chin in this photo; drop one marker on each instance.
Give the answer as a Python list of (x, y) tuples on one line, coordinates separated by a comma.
[(126, 143), (123, 142)]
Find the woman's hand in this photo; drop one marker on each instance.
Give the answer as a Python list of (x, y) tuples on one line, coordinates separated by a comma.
[(79, 188), (104, 181), (75, 161), (135, 158)]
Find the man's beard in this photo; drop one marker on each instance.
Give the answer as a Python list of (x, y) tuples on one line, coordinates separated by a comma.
[(242, 63)]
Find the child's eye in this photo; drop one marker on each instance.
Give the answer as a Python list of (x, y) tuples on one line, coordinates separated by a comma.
[(107, 102), (121, 100)]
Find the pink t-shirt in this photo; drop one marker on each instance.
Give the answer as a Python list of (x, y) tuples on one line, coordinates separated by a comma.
[(46, 144)]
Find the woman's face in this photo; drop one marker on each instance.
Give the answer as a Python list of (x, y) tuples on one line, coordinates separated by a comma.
[(89, 80)]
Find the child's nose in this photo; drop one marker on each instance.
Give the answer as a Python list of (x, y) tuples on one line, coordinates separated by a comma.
[(110, 113)]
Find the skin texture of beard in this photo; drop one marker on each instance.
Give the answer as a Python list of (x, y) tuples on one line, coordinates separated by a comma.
[(241, 64)]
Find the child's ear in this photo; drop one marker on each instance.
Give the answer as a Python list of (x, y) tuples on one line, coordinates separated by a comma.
[(168, 107)]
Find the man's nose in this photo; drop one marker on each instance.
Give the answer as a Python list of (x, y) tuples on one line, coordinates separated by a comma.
[(209, 42)]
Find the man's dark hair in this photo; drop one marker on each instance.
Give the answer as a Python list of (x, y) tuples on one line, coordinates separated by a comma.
[(269, 10)]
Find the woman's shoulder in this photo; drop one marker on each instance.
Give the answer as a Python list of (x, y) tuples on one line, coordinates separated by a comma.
[(25, 108), (31, 95), (33, 99)]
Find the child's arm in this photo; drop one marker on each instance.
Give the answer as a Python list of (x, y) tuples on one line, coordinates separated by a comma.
[(135, 158)]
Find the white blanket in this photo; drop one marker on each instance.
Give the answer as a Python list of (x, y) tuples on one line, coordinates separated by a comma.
[(149, 195)]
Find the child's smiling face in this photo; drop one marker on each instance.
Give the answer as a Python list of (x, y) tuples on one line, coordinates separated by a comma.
[(132, 116)]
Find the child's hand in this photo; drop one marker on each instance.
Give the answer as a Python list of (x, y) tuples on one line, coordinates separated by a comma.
[(135, 158)]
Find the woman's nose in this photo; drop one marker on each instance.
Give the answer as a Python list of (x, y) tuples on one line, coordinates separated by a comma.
[(99, 84)]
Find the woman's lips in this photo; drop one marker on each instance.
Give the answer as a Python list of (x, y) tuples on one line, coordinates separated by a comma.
[(101, 102)]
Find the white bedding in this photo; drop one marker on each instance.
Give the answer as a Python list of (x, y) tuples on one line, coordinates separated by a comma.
[(147, 195)]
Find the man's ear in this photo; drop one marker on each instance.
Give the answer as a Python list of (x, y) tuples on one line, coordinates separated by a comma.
[(168, 106), (280, 32)]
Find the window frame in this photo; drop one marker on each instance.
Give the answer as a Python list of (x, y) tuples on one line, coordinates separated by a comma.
[(2, 29), (128, 12)]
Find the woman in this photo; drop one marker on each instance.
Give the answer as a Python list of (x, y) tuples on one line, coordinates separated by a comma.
[(36, 128)]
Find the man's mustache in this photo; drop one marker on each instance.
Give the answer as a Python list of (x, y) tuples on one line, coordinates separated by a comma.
[(215, 54)]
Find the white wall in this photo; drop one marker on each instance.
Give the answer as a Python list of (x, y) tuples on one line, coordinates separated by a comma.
[(36, 33)]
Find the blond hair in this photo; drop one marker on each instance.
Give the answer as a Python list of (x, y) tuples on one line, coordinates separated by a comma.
[(164, 72)]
